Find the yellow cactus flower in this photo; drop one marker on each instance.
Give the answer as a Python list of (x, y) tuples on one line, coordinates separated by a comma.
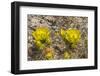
[(66, 55), (49, 56), (71, 35), (49, 53), (41, 37)]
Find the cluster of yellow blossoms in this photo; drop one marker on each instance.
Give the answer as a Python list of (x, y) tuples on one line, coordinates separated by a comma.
[(42, 38)]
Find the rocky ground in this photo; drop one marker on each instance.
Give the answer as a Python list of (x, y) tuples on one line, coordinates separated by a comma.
[(55, 23)]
